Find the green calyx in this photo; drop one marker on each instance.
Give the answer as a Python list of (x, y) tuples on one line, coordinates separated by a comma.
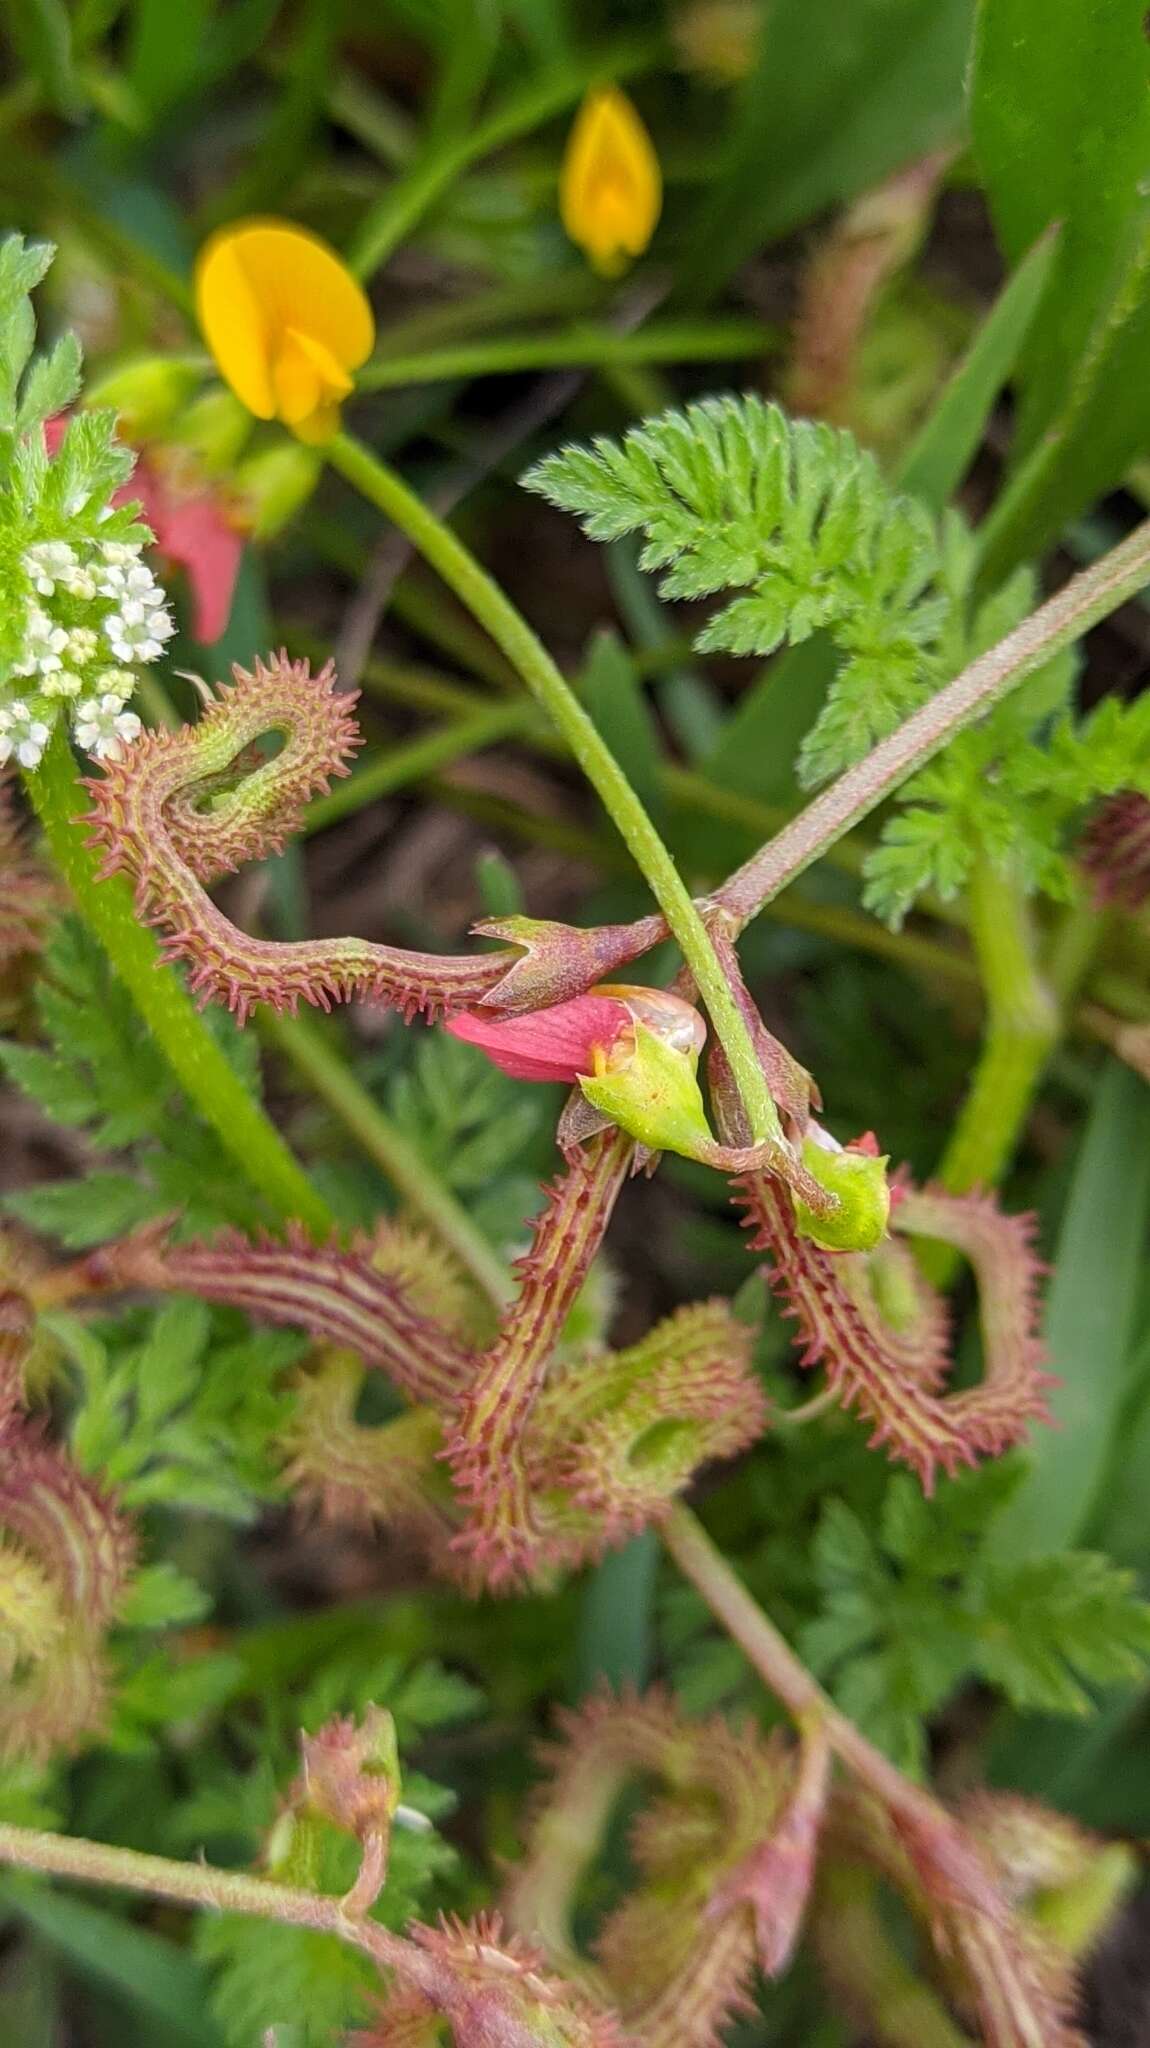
[(859, 1181), (655, 1097)]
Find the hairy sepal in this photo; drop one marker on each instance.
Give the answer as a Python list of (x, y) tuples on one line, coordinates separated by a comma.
[(495, 1991)]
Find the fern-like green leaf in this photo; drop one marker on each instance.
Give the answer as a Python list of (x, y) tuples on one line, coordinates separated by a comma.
[(732, 495)]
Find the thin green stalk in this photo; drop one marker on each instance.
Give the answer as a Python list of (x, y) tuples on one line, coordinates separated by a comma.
[(1022, 1027), (210, 1084), (511, 633), (402, 204), (395, 766), (405, 1167), (580, 348)]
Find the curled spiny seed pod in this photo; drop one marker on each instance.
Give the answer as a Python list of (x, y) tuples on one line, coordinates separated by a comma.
[(675, 1962), (1114, 850), (497, 1993), (387, 1475), (67, 1561), (337, 1295), (176, 810), (623, 1434), (995, 1962), (880, 1335), (1044, 1860), (486, 1449)]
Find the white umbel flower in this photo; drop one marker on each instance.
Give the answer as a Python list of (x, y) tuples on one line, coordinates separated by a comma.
[(49, 563), (44, 644), (102, 726), (23, 735), (129, 580), (137, 631)]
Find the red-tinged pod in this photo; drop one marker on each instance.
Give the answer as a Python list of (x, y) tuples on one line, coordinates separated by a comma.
[(337, 1295), (487, 1442), (881, 1334), (678, 1973), (175, 811), (73, 1552), (493, 1989)]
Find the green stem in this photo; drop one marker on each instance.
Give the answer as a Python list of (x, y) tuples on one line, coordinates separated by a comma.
[(1022, 1028), (514, 637), (406, 1169), (583, 348), (199, 1065)]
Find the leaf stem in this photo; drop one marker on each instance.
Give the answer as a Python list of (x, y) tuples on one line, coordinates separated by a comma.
[(1064, 618), (788, 1678), (1022, 1028), (511, 633), (210, 1083)]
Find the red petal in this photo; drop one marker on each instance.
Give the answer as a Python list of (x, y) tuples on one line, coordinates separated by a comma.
[(193, 531), (557, 1044)]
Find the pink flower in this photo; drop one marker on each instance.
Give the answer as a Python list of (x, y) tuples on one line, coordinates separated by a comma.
[(194, 527), (557, 1044)]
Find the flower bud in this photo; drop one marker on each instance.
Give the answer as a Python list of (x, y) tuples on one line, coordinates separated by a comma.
[(858, 1180), (147, 392), (610, 186), (274, 484), (351, 1773)]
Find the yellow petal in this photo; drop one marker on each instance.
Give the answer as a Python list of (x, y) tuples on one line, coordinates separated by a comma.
[(610, 185), (305, 376), (283, 316), (234, 326)]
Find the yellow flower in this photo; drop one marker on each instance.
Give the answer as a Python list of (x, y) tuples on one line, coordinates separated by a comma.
[(285, 320), (610, 186)]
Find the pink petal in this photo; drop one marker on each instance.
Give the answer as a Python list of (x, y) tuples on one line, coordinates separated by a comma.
[(195, 533), (557, 1044)]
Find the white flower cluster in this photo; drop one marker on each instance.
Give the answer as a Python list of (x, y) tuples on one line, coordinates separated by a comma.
[(94, 613)]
